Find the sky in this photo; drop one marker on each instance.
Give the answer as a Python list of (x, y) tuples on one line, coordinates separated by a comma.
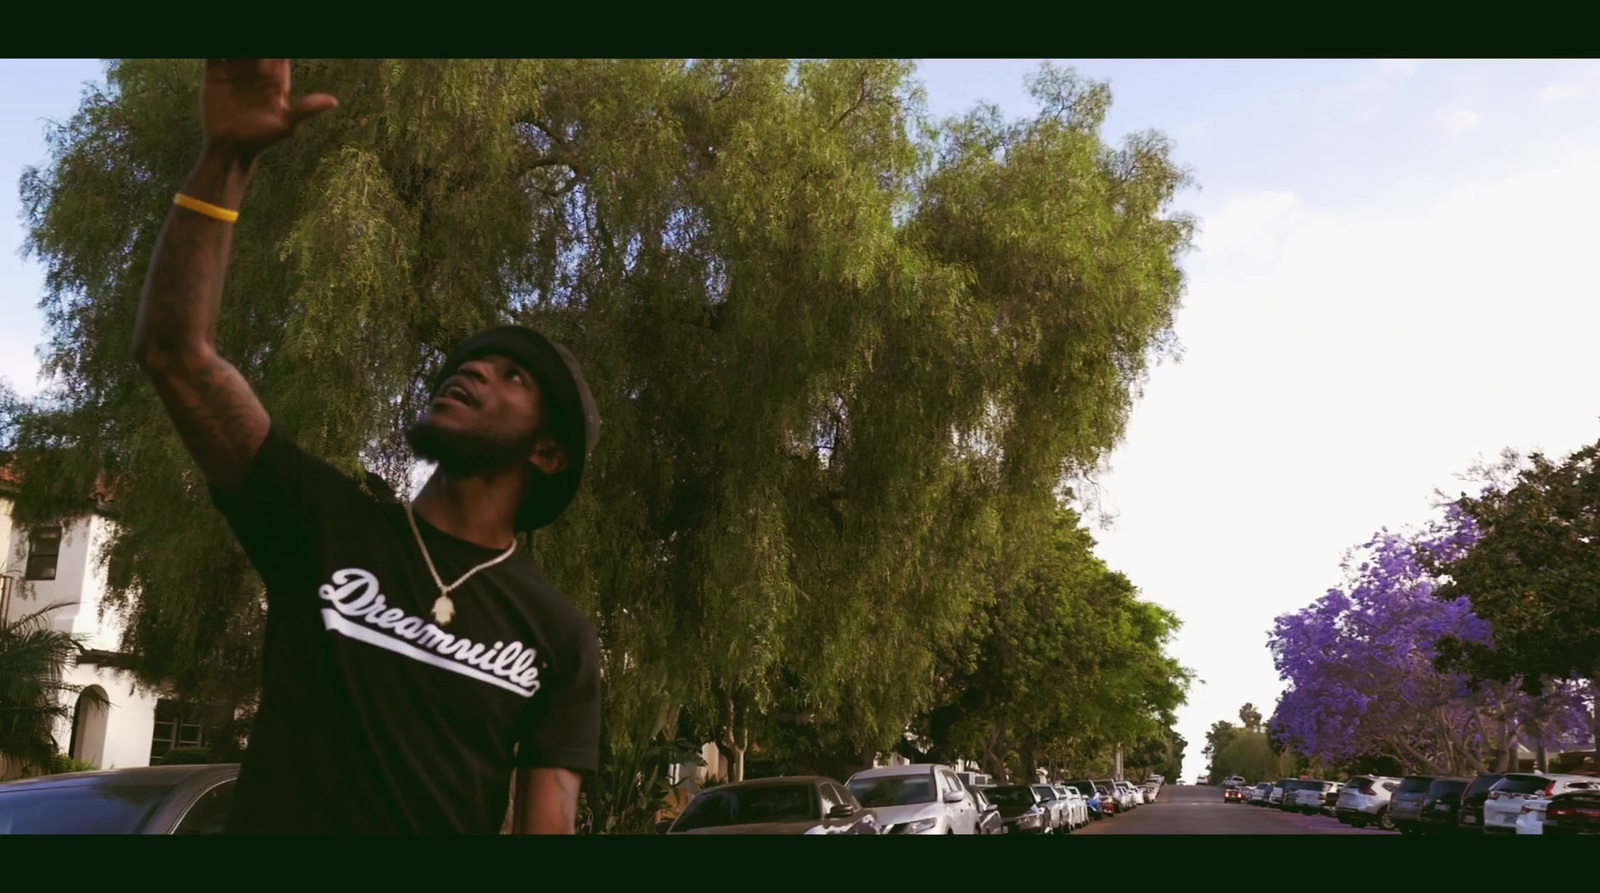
[(1392, 280)]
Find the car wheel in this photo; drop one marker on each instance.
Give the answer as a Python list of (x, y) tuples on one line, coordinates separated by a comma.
[(1384, 823)]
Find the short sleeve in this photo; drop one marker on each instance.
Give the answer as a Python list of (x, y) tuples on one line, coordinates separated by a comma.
[(563, 729), (281, 507)]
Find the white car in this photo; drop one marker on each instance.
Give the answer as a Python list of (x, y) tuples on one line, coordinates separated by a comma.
[(1531, 821), (1365, 801), (916, 799), (1312, 798), (1130, 796), (1077, 806), (1511, 797)]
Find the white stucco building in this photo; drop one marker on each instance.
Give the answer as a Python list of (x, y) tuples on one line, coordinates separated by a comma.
[(60, 565)]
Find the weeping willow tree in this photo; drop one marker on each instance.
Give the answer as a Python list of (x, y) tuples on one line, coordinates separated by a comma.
[(846, 354)]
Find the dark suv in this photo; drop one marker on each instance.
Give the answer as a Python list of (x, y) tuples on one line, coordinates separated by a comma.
[(1405, 808), (1441, 805), (1470, 817)]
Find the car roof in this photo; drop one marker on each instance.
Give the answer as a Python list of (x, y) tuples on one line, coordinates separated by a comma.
[(775, 781), (890, 771), (131, 777)]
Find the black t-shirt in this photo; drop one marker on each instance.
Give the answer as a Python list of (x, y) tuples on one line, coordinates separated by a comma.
[(374, 720)]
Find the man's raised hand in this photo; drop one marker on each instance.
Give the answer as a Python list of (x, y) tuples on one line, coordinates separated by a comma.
[(245, 105)]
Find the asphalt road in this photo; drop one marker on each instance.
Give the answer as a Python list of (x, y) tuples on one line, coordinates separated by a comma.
[(1189, 809)]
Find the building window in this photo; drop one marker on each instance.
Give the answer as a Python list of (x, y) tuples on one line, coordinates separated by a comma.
[(176, 726), (44, 546)]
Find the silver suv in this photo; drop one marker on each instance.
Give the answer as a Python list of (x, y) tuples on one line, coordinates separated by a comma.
[(1365, 801)]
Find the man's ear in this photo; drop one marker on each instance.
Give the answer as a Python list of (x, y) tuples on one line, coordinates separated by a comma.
[(549, 456)]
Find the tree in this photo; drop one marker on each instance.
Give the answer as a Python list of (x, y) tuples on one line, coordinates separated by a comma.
[(840, 349), (34, 697), (1250, 717), (1220, 735), (1248, 754), (1360, 672), (1534, 576)]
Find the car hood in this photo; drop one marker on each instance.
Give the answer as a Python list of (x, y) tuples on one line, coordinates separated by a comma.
[(774, 828), (899, 815)]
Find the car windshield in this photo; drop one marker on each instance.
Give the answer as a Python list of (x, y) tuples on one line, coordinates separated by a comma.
[(1046, 792), (82, 809), (1481, 785), (1415, 784), (1522, 784), (756, 805), (893, 790), (1084, 786), (1012, 795)]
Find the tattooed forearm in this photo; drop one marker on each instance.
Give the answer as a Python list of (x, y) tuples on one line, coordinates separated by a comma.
[(217, 415)]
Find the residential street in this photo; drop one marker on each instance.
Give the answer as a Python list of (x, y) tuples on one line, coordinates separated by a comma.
[(1186, 809)]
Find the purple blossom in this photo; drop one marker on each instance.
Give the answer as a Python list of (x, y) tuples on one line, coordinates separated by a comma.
[(1359, 666)]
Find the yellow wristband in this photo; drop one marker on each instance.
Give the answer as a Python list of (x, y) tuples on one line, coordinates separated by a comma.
[(200, 207)]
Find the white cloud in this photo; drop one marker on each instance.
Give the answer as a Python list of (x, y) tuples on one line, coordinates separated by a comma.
[(1382, 79), (1554, 93), (1337, 369), (1463, 120)]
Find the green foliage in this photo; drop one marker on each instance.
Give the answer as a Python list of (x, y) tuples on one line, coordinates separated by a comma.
[(1533, 574), (61, 763), (34, 697), (1248, 754), (846, 355), (184, 756)]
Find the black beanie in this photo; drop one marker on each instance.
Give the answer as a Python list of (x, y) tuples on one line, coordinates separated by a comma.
[(570, 413)]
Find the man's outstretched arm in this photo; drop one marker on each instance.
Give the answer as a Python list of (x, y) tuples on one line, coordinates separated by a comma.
[(245, 109)]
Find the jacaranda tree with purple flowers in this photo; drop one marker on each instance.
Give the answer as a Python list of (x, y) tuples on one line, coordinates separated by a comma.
[(1359, 664)]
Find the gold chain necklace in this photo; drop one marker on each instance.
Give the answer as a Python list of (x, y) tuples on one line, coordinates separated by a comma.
[(443, 607)]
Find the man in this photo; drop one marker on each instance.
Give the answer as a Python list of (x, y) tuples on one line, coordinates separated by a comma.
[(413, 660)]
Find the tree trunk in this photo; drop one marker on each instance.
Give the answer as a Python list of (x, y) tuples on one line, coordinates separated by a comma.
[(1594, 717)]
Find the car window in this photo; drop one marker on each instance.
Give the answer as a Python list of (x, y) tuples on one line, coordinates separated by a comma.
[(1522, 784), (758, 805), (1415, 784), (1044, 791), (952, 784), (893, 790), (1013, 795), (85, 809), (1481, 785), (829, 798), (209, 814)]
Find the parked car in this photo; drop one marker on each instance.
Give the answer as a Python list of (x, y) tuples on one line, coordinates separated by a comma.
[(192, 799), (1129, 795), (1233, 781), (794, 805), (1441, 804), (1155, 779), (1470, 817), (1091, 797), (1575, 812), (1275, 796), (1151, 790), (1254, 795), (1077, 810), (1406, 804), (1503, 806), (916, 799), (1330, 797), (1534, 809), (1022, 811), (1289, 801), (1056, 803), (1108, 799), (1365, 801), (1309, 796), (989, 821)]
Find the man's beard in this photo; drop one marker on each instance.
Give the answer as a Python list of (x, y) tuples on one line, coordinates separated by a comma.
[(464, 454)]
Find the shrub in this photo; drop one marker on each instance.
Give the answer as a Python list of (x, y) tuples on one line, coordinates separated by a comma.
[(184, 756)]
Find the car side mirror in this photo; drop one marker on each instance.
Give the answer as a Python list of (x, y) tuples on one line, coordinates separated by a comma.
[(954, 797), (663, 825), (842, 811)]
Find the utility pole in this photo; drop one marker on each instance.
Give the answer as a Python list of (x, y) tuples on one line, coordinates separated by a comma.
[(1116, 766)]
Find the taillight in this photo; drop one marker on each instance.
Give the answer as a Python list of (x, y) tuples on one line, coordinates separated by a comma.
[(1551, 790)]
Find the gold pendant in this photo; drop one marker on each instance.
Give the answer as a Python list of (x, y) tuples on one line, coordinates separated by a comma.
[(443, 610)]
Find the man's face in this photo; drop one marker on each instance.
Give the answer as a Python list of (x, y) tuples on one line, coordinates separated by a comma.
[(486, 416)]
